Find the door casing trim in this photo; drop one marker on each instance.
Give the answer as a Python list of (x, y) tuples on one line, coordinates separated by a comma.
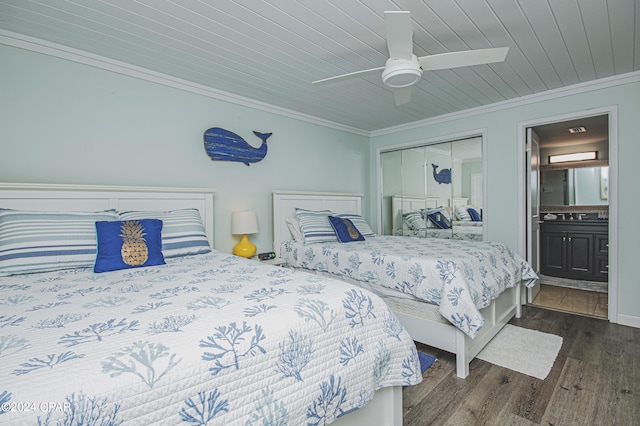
[(612, 113)]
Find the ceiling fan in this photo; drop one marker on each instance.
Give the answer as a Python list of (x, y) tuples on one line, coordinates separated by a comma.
[(404, 69)]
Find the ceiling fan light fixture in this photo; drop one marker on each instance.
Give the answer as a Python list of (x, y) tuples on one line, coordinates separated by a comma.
[(401, 72), (403, 69)]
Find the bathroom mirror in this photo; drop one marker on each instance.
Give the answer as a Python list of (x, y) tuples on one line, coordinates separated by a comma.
[(574, 186)]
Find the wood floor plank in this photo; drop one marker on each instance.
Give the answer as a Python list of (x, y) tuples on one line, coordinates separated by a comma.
[(512, 420), (530, 398), (594, 380), (445, 399), (588, 343), (438, 371), (619, 377), (536, 394), (577, 391), (489, 397)]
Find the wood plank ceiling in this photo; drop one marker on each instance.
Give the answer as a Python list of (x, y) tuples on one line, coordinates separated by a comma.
[(271, 50)]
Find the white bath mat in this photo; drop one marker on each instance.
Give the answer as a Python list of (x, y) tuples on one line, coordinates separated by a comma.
[(527, 351)]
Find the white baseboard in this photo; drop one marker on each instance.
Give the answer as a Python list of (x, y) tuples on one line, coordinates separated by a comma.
[(629, 320)]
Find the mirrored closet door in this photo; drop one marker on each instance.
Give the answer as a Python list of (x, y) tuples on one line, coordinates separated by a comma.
[(433, 190)]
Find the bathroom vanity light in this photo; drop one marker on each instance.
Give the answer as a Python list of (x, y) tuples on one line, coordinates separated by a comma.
[(576, 156)]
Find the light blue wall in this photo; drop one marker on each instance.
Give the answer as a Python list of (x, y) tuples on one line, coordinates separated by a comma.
[(64, 122), (503, 180)]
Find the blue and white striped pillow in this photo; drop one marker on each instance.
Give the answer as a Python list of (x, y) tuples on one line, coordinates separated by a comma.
[(182, 231), (462, 213), (414, 220), (359, 222), (35, 241), (315, 226)]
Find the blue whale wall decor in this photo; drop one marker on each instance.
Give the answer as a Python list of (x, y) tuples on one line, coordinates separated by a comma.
[(443, 176), (224, 145)]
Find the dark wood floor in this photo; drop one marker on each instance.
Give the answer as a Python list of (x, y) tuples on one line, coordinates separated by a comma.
[(595, 380)]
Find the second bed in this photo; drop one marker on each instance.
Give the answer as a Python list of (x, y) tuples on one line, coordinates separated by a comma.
[(452, 295)]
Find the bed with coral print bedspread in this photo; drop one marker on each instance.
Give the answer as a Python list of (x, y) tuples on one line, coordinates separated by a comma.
[(208, 338), (461, 277)]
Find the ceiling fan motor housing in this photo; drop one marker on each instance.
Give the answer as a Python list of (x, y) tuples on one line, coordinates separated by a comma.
[(401, 72)]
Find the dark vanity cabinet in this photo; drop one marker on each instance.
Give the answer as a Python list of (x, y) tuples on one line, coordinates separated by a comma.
[(575, 249)]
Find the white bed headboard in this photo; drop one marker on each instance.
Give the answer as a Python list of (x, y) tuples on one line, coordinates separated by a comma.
[(52, 197), (285, 203)]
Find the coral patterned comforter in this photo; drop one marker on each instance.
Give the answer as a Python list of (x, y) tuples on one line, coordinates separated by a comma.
[(461, 277), (204, 339)]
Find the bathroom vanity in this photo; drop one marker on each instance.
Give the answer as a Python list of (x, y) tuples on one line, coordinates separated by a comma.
[(575, 249)]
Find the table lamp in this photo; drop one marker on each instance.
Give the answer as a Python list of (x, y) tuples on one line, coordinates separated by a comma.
[(243, 223)]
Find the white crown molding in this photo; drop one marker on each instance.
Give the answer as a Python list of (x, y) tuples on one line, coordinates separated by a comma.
[(103, 188), (601, 83), (63, 52), (10, 38)]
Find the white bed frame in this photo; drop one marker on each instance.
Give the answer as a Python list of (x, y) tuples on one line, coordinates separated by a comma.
[(386, 407), (432, 333)]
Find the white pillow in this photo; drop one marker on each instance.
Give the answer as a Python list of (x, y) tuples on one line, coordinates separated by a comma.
[(414, 220), (462, 213), (294, 229)]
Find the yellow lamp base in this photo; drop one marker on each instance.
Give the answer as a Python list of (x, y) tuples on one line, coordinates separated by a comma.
[(244, 248)]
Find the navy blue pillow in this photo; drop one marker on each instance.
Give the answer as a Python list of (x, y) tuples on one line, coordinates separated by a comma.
[(474, 214), (345, 229), (128, 244), (440, 220)]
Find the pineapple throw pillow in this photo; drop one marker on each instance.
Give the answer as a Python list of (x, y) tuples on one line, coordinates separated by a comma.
[(128, 244)]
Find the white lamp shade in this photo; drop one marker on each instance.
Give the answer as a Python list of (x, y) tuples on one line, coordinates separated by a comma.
[(244, 222)]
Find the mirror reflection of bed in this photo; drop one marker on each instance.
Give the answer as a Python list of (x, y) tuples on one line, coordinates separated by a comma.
[(433, 190), (418, 217)]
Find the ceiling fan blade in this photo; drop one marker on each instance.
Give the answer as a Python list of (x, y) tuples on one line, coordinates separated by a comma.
[(337, 78), (399, 34), (402, 95), (464, 58)]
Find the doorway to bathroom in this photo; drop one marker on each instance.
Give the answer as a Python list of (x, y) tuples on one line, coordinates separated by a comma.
[(568, 204)]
